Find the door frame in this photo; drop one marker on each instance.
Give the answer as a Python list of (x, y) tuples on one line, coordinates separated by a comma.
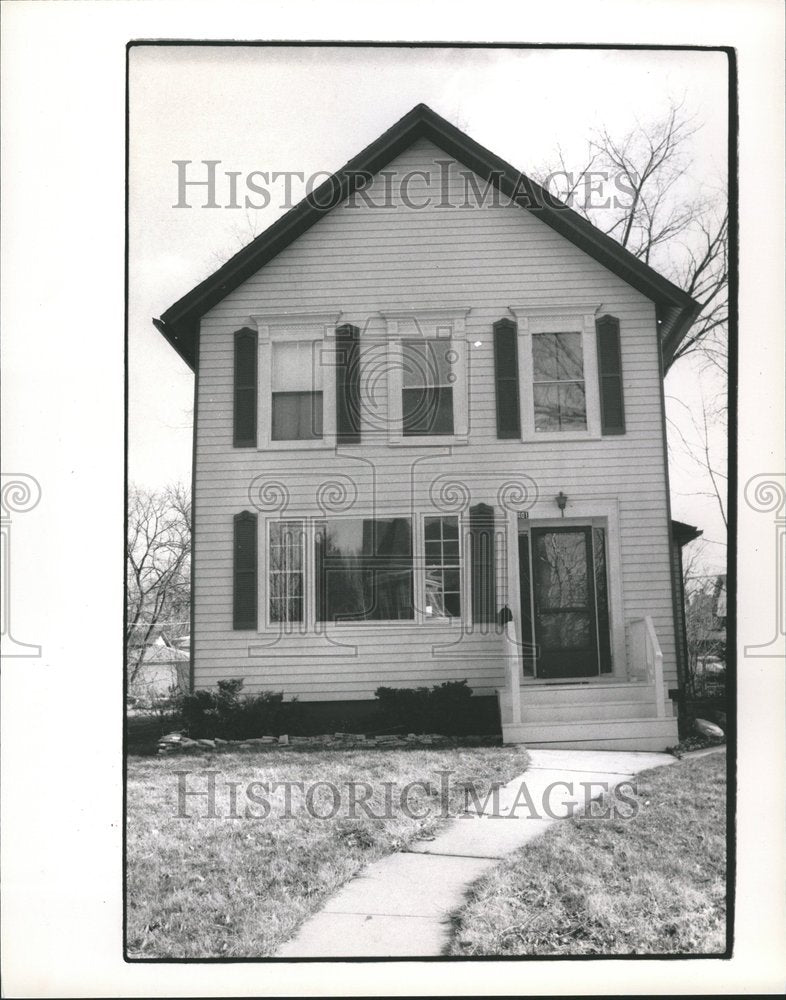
[(583, 513)]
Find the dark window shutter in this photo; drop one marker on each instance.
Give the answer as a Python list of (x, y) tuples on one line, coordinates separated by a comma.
[(245, 388), (612, 407), (484, 575), (347, 385), (244, 610), (506, 379)]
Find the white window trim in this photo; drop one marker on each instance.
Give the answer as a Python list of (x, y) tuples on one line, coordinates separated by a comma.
[(438, 318), (292, 327), (287, 628), (310, 625), (562, 319), (583, 513)]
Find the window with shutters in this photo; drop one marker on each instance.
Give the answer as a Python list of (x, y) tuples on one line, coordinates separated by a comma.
[(558, 373), (296, 404)]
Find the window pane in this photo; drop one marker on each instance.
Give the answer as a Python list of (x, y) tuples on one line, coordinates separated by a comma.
[(572, 406), (296, 366), (427, 411), (297, 416), (449, 527), (557, 356), (570, 363), (433, 553), (544, 356), (565, 629), (364, 570), (432, 528), (560, 569), (426, 362), (560, 406), (453, 605)]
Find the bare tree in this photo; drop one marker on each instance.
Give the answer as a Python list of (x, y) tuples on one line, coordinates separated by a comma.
[(637, 189), (698, 448), (704, 625), (158, 553)]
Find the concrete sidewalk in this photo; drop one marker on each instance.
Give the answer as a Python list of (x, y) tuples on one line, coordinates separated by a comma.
[(401, 905)]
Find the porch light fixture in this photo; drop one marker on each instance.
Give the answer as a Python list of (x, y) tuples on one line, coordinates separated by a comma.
[(562, 502)]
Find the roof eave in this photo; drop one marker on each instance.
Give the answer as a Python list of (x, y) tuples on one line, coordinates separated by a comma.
[(180, 322)]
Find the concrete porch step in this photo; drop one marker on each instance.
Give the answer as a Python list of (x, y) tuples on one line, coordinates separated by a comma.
[(577, 693), (549, 714), (595, 734)]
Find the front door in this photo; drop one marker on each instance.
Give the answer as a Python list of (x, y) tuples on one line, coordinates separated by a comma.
[(564, 603)]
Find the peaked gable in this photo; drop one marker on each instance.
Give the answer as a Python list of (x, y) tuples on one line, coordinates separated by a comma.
[(676, 309)]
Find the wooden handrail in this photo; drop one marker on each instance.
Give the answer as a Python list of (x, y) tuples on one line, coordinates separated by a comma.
[(647, 658), (512, 665)]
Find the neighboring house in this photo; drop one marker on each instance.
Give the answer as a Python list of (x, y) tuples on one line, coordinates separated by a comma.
[(162, 667), (437, 400)]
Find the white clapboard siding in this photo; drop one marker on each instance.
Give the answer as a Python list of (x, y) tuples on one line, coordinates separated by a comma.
[(360, 262)]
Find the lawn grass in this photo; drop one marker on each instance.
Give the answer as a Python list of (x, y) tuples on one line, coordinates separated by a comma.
[(201, 887), (653, 884)]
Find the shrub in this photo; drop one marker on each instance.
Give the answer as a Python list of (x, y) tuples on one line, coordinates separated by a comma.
[(229, 714), (445, 708)]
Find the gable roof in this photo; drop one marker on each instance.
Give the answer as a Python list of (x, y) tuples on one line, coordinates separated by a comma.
[(676, 309)]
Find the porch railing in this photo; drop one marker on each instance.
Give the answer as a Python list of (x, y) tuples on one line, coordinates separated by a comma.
[(512, 669), (646, 662)]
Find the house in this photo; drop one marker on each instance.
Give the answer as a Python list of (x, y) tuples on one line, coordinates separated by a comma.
[(429, 401), (160, 668)]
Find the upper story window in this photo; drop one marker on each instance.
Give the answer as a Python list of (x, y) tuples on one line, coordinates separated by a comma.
[(558, 388), (558, 372), (427, 392), (296, 382), (426, 373)]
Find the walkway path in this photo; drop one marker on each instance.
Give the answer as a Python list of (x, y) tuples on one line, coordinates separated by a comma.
[(401, 905)]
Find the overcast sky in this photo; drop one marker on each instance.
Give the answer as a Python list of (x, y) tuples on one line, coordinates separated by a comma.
[(311, 109)]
